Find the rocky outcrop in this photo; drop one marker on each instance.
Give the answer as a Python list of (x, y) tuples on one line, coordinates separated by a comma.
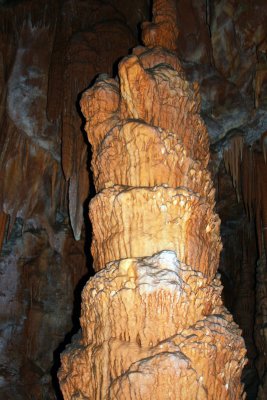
[(152, 324)]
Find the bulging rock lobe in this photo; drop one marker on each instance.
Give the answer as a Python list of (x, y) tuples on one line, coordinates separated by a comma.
[(121, 307), (135, 222), (169, 102)]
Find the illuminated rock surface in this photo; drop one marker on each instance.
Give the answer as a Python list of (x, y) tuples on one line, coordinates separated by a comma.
[(150, 329), (152, 322), (50, 51)]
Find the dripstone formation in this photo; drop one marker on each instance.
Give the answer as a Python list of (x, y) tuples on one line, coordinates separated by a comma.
[(153, 325)]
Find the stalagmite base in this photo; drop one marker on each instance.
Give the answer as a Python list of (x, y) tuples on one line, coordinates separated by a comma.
[(153, 325)]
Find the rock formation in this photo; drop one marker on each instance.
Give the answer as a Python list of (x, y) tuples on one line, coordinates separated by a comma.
[(50, 50), (153, 325), (47, 48), (248, 169), (260, 325)]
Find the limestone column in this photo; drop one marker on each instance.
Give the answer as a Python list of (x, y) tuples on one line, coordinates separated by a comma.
[(153, 325)]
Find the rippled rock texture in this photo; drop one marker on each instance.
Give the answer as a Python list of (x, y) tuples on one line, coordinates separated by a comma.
[(49, 53), (152, 323), (153, 328)]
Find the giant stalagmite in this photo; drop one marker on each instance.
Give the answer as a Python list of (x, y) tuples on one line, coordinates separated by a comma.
[(153, 325)]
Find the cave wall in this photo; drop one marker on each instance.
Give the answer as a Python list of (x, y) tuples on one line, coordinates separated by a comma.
[(50, 52)]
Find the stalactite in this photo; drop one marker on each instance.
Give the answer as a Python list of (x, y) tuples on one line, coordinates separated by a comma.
[(163, 31), (248, 166), (253, 174), (7, 54), (49, 52), (3, 223), (260, 73), (24, 163), (62, 32), (74, 150), (232, 158), (248, 178), (81, 48), (244, 299), (156, 241), (73, 58), (261, 323), (37, 15), (264, 144), (261, 170)]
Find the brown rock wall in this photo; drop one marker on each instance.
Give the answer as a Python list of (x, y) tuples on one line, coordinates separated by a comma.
[(49, 52)]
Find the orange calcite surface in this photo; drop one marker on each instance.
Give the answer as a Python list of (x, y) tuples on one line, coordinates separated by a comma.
[(152, 324), (137, 222), (151, 328), (152, 156), (162, 31), (169, 102)]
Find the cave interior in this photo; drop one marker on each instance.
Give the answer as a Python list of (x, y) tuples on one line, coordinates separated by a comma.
[(51, 51)]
